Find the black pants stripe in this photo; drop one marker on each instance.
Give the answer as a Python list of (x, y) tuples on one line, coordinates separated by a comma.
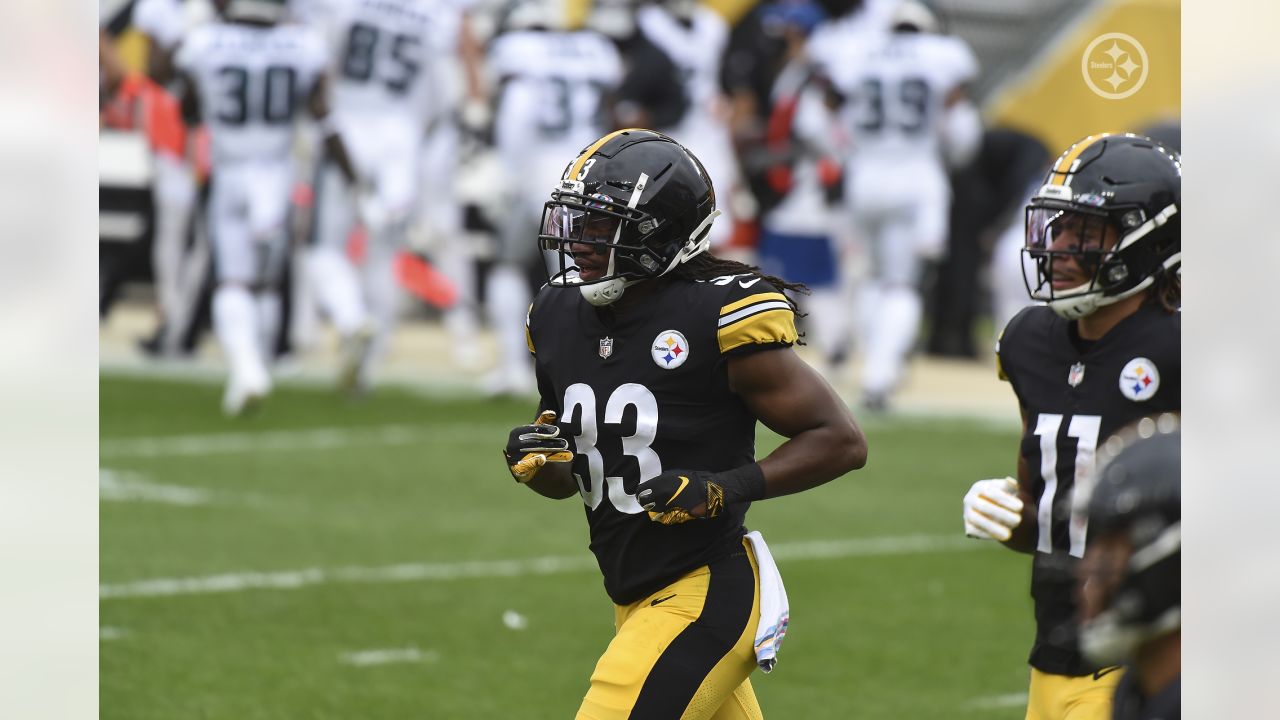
[(687, 661)]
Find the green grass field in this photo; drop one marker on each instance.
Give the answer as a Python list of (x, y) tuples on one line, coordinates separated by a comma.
[(319, 532)]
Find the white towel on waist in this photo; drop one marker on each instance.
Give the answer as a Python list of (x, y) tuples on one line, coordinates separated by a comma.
[(774, 611)]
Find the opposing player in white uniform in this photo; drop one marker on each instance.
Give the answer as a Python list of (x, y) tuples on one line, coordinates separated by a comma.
[(906, 109), (553, 86), (178, 272), (386, 91), (246, 76), (694, 37)]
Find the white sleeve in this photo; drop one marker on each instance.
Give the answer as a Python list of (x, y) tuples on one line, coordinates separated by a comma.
[(610, 69), (504, 56), (313, 53), (963, 63), (162, 20), (190, 50)]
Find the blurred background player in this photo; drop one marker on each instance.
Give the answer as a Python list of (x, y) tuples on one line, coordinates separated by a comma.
[(143, 102), (1103, 350), (553, 91), (906, 107), (1130, 580), (387, 91), (694, 37), (797, 181), (245, 76)]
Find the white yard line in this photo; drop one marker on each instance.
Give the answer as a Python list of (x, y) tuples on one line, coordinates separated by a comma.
[(365, 658), (111, 633), (287, 440), (548, 565), (994, 702), (325, 438), (123, 486)]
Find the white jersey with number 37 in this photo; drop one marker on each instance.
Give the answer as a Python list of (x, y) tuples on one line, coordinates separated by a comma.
[(553, 84), (251, 81)]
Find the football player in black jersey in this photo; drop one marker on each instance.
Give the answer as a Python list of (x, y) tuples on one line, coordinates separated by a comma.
[(654, 360), (1104, 232), (1130, 580)]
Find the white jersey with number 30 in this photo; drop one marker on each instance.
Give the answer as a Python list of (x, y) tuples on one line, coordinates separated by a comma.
[(251, 81)]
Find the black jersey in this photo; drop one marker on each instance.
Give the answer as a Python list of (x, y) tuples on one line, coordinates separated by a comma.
[(647, 390), (1074, 393)]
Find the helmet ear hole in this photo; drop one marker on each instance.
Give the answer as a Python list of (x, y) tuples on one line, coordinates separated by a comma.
[(1114, 271)]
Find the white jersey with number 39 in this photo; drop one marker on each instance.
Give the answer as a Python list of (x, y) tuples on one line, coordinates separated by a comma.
[(899, 91), (251, 82)]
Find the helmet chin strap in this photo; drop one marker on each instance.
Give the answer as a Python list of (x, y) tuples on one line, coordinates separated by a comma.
[(605, 293), (609, 291)]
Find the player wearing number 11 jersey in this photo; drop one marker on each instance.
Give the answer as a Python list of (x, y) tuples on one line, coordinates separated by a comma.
[(654, 361), (1104, 235)]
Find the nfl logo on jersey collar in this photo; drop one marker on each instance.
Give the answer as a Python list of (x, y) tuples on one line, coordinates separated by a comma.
[(1076, 375), (1139, 380), (670, 349), (606, 347)]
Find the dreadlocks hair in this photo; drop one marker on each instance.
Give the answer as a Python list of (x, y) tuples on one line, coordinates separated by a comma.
[(1167, 289), (705, 266)]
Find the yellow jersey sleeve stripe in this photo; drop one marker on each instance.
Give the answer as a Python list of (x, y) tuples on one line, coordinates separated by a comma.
[(735, 316), (758, 297), (1064, 167), (528, 336), (770, 326)]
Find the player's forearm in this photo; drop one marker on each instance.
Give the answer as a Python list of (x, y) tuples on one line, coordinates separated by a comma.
[(554, 480), (1023, 538), (814, 457), (337, 150)]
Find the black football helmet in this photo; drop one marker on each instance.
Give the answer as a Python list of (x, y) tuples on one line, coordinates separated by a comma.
[(633, 205), (1124, 186), (1135, 541)]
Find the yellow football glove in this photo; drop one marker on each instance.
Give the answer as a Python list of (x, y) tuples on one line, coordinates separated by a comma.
[(529, 447), (678, 496)]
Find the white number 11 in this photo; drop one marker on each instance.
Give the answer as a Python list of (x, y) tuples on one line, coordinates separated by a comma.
[(1085, 429)]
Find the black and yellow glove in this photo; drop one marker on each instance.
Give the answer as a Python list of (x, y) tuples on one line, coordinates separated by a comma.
[(678, 496), (529, 447)]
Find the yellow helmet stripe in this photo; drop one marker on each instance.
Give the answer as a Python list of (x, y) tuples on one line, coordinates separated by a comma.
[(1062, 168), (591, 150)]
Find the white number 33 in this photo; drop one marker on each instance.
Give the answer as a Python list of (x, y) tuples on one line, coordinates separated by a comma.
[(580, 403)]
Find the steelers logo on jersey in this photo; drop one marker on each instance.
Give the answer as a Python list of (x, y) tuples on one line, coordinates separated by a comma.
[(670, 349), (1139, 380)]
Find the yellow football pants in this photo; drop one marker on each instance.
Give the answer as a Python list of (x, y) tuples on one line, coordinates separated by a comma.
[(1062, 697), (685, 651)]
